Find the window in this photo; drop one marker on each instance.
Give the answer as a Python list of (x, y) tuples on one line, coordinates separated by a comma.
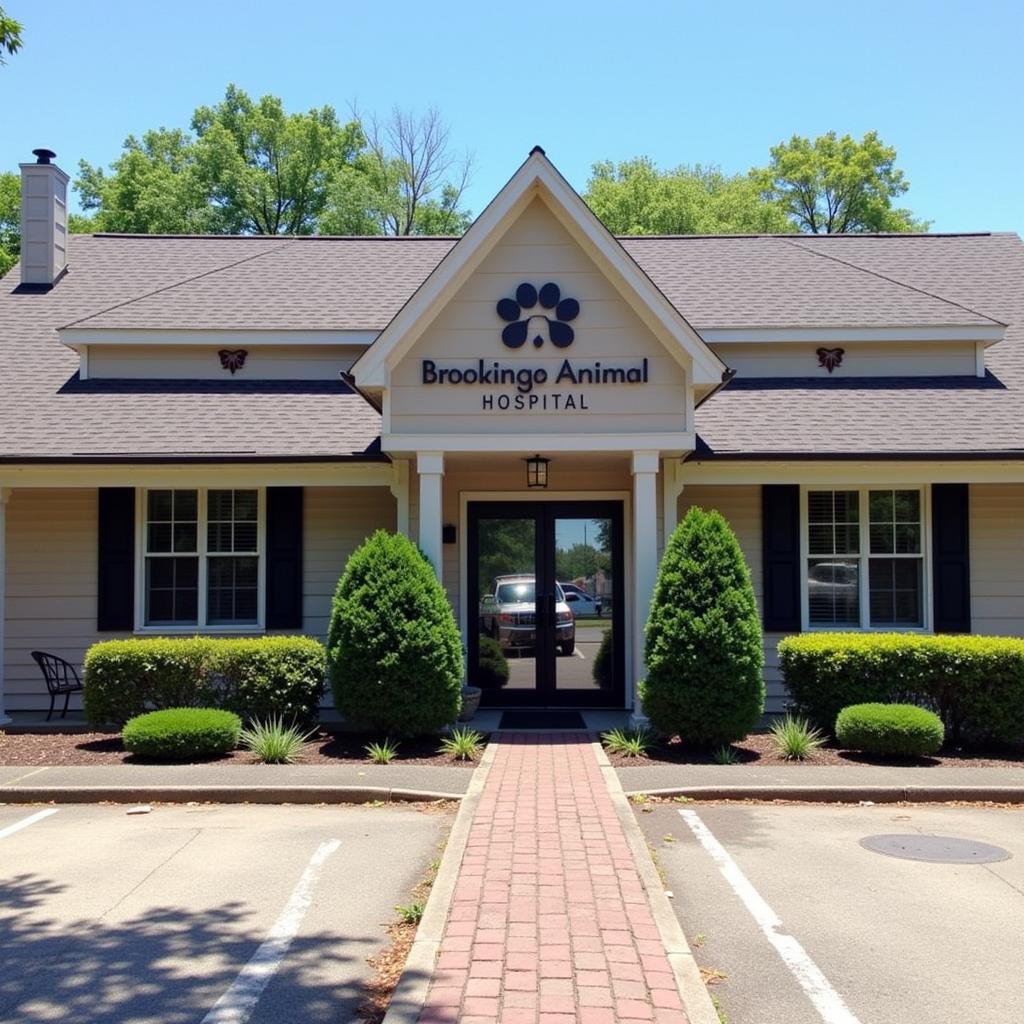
[(202, 558), (865, 558)]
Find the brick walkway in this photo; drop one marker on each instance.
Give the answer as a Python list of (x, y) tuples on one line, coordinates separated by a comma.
[(550, 923)]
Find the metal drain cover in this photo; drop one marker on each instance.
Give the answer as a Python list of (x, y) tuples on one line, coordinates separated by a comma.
[(935, 849)]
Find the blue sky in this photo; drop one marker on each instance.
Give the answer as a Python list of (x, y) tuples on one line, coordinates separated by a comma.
[(682, 82)]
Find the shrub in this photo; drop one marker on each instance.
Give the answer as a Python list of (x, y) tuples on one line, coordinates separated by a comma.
[(901, 730), (274, 675), (704, 649), (602, 670), (795, 738), (274, 741), (492, 670), (180, 734), (974, 683), (394, 653)]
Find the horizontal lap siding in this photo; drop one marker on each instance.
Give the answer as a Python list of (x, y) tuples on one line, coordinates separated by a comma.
[(997, 558), (741, 506)]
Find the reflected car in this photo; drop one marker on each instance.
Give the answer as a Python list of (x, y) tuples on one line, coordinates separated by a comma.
[(508, 614), (581, 603)]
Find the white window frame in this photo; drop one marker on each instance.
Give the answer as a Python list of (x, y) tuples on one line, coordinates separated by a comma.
[(200, 626), (864, 559)]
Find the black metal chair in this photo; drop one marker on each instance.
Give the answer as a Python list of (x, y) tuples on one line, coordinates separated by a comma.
[(60, 676)]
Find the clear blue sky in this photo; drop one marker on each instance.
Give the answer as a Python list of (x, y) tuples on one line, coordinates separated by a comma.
[(682, 82)]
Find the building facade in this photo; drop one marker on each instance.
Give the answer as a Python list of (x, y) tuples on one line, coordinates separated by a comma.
[(195, 433)]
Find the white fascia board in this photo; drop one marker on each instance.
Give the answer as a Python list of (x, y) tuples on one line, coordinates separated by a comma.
[(74, 337), (848, 471), (988, 335), (537, 177), (523, 444)]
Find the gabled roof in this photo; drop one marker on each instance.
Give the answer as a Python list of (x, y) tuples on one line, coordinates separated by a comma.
[(538, 178)]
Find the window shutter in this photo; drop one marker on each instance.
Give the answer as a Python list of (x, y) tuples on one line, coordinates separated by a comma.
[(284, 558), (951, 561), (115, 581), (780, 524)]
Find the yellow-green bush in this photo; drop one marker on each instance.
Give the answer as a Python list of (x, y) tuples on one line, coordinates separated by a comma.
[(181, 734), (974, 683), (889, 730), (256, 678)]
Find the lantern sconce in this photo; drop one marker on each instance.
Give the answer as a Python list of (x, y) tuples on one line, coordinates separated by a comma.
[(537, 471)]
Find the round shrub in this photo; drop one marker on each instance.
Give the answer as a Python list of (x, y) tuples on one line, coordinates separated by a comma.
[(179, 734), (394, 653), (602, 670), (901, 730), (492, 669), (703, 644)]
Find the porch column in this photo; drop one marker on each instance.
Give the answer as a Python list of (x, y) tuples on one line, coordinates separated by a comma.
[(430, 466), (645, 560), (671, 488), (4, 495), (400, 491)]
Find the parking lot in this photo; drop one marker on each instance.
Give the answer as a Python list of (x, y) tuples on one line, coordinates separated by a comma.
[(806, 925), (200, 913)]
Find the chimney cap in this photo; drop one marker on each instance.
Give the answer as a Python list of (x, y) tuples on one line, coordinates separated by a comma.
[(43, 156)]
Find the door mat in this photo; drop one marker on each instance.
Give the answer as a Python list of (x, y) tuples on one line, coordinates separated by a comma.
[(542, 720)]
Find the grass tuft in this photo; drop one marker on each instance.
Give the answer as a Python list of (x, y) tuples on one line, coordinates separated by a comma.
[(628, 742), (725, 755), (273, 742), (795, 738), (462, 744), (382, 753)]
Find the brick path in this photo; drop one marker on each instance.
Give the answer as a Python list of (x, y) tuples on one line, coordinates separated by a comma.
[(550, 923)]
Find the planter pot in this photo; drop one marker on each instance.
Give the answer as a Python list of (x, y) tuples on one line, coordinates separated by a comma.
[(470, 702)]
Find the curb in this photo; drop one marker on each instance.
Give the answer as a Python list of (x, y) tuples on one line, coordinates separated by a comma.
[(692, 990), (411, 991), (846, 794), (216, 794)]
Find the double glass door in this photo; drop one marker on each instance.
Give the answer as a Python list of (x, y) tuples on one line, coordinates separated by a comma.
[(545, 598)]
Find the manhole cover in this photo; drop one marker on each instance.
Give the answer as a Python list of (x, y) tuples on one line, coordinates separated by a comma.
[(936, 849)]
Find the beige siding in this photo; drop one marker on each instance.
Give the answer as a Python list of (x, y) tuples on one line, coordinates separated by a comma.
[(997, 558)]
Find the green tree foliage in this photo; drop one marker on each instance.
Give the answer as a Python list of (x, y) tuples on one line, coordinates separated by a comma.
[(835, 184), (10, 36), (10, 221), (636, 198), (703, 644), (581, 560), (394, 652)]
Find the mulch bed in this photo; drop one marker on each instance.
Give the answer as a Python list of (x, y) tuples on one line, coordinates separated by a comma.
[(758, 749), (94, 748)]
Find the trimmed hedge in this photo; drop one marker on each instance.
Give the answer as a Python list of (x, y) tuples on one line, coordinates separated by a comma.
[(179, 734), (256, 678), (394, 651), (974, 683), (898, 730), (703, 644)]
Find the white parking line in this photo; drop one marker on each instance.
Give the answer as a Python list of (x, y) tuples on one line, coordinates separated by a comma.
[(25, 822), (239, 1001), (826, 1000)]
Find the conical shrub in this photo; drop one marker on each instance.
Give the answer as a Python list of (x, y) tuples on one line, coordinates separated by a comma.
[(394, 653), (704, 648)]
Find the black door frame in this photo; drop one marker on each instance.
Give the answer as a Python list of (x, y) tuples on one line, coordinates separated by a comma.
[(544, 514)]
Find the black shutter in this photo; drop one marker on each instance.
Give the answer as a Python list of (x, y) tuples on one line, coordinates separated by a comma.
[(951, 562), (284, 558), (780, 524), (115, 581)]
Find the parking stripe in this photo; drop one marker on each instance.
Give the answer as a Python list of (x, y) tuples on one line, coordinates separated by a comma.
[(826, 1000), (239, 1001), (25, 822)]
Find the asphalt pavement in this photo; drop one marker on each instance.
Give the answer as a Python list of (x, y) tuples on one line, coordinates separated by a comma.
[(807, 925), (200, 914)]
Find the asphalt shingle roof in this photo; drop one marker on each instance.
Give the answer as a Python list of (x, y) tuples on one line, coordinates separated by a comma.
[(359, 284)]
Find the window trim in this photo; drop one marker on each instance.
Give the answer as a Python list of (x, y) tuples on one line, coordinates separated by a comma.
[(927, 596), (201, 625)]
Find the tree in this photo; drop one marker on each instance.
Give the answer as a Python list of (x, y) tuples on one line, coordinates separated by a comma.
[(636, 198), (834, 185), (10, 36), (10, 220), (704, 648)]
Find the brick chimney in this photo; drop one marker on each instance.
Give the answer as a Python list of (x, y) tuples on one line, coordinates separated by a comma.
[(44, 220)]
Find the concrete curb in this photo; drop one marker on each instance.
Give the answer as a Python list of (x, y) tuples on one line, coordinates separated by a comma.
[(845, 794), (692, 990), (411, 991), (215, 794)]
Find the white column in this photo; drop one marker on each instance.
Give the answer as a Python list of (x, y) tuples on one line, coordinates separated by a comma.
[(671, 488), (400, 490), (4, 495), (430, 466), (645, 560)]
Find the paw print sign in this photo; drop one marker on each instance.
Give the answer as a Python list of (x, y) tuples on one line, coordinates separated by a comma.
[(551, 319)]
